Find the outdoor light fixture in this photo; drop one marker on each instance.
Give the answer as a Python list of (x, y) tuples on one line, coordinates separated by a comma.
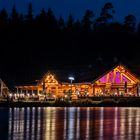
[(10, 94), (71, 79)]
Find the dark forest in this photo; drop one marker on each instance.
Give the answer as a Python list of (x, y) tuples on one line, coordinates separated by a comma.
[(31, 44)]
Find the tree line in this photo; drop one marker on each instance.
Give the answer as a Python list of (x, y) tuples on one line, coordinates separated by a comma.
[(35, 41), (47, 22)]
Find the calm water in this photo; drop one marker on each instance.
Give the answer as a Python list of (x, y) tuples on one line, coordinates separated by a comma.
[(70, 123)]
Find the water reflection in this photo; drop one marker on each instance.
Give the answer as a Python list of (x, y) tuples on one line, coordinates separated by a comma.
[(101, 123), (70, 123)]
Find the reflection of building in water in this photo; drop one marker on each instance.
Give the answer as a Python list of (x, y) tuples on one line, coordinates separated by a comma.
[(73, 123), (130, 123), (88, 121), (137, 127), (50, 128), (4, 115), (117, 81), (26, 123), (101, 123), (70, 123), (116, 123)]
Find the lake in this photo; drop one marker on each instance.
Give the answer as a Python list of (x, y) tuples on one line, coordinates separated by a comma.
[(73, 123)]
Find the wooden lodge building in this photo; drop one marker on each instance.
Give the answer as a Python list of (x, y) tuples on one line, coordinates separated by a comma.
[(114, 81), (4, 90)]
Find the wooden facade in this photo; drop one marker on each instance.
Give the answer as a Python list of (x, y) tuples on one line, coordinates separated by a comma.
[(118, 81), (4, 91)]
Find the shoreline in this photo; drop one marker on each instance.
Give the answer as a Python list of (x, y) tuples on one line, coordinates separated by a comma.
[(110, 102)]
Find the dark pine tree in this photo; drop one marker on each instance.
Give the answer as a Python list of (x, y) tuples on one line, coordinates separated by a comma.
[(4, 30), (51, 25), (42, 18), (29, 25), (106, 14), (87, 21), (130, 23), (70, 22), (29, 17), (77, 26), (61, 23), (3, 18), (41, 21), (14, 24), (14, 16)]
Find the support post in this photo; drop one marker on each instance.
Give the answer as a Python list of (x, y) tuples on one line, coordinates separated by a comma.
[(17, 91)]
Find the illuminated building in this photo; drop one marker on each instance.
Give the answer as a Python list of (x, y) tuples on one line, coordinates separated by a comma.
[(4, 91), (117, 81)]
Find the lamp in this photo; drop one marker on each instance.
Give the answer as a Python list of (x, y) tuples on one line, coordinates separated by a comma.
[(71, 79)]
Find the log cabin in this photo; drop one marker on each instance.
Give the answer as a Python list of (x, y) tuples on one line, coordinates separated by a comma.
[(114, 81)]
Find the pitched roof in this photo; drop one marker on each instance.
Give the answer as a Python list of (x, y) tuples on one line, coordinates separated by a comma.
[(84, 73), (88, 73), (130, 71)]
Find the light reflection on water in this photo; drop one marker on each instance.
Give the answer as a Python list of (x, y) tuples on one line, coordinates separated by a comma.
[(50, 123)]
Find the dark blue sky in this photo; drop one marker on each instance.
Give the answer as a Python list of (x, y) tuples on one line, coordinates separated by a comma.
[(76, 7)]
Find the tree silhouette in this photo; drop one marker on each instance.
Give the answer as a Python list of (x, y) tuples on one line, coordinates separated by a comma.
[(29, 16), (3, 17), (70, 22), (87, 20), (61, 23), (4, 29), (33, 38), (14, 21), (14, 15), (130, 23), (51, 21), (41, 20), (106, 14), (77, 27)]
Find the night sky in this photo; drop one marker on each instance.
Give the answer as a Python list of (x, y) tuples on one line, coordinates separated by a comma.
[(76, 7)]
